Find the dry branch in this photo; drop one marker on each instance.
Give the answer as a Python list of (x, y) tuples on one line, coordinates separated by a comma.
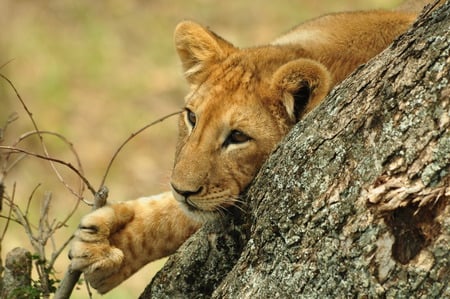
[(55, 160)]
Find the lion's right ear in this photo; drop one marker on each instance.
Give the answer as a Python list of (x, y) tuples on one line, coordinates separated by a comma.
[(302, 84), (198, 47)]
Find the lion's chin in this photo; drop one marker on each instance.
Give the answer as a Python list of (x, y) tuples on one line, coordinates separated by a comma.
[(199, 214)]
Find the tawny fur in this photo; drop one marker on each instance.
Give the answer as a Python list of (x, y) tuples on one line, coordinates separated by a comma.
[(117, 240), (260, 92)]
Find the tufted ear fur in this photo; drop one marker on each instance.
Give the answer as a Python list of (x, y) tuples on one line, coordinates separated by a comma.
[(197, 47), (303, 84)]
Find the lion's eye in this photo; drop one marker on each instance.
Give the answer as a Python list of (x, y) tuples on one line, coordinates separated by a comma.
[(236, 137), (191, 117)]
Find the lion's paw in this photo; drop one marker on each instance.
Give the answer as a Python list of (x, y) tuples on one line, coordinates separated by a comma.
[(91, 250)]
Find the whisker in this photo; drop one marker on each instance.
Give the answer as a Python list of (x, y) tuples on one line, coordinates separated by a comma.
[(237, 200), (231, 202), (241, 209), (239, 204), (193, 204), (220, 211)]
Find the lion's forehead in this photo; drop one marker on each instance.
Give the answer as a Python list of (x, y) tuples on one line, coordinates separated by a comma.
[(241, 71), (232, 106), (236, 87), (235, 95)]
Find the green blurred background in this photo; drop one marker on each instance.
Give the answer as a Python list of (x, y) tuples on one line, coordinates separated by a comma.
[(96, 71)]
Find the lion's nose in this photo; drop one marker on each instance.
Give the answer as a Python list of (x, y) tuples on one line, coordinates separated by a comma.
[(186, 193)]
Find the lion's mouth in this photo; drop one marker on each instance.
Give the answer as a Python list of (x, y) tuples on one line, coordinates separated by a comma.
[(186, 202), (204, 208)]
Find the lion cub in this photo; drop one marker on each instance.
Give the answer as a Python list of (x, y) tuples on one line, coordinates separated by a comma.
[(241, 103)]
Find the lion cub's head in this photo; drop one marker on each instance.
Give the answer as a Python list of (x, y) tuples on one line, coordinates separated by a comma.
[(241, 103)]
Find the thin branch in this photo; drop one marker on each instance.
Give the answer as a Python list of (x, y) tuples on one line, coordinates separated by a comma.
[(88, 289), (131, 137), (53, 228), (27, 209), (9, 218), (58, 252), (7, 168), (45, 208), (6, 63), (69, 165), (69, 215), (45, 230), (71, 277), (72, 149), (25, 107), (9, 213), (26, 225), (41, 139), (11, 118)]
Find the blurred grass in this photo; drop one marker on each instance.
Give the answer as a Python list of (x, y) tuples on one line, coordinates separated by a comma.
[(96, 71)]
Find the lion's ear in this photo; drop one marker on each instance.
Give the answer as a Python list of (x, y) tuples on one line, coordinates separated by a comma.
[(197, 47), (302, 84)]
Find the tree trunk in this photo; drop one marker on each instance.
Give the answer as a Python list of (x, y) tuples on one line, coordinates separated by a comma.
[(353, 203)]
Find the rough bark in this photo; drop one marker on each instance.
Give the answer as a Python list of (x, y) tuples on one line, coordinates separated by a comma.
[(354, 202)]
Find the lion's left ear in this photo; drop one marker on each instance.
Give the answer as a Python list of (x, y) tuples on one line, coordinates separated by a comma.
[(198, 47), (302, 84)]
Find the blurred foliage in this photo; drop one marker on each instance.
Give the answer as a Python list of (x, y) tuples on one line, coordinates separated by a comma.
[(96, 71)]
